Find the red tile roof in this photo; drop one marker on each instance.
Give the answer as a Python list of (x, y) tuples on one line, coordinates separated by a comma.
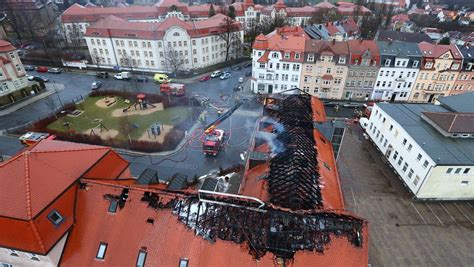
[(116, 27), (6, 46), (357, 48), (42, 179), (287, 39), (167, 240), (437, 50), (327, 47)]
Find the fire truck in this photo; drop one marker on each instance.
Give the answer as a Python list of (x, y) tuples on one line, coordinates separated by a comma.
[(214, 138), (31, 138), (175, 89)]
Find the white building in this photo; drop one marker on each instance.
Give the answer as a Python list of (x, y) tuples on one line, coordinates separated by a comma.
[(13, 80), (114, 42), (277, 59), (430, 147), (399, 67)]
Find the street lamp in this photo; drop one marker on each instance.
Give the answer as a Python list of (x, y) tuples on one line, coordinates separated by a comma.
[(57, 94)]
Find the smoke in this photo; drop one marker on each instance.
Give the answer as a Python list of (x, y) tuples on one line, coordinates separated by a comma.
[(276, 145), (277, 127)]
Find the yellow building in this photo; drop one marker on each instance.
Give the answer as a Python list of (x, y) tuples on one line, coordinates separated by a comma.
[(325, 68), (439, 71)]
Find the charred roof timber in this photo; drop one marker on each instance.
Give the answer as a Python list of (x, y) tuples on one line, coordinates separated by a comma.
[(294, 176), (264, 229)]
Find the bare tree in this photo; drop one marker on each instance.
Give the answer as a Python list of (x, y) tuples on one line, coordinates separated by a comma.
[(173, 59), (96, 58), (74, 36), (230, 35)]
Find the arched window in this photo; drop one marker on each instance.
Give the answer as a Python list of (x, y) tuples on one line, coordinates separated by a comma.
[(176, 34)]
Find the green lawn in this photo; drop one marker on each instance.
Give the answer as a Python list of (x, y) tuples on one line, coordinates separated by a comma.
[(170, 116)]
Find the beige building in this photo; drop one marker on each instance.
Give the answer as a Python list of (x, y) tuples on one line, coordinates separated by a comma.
[(439, 70), (325, 68)]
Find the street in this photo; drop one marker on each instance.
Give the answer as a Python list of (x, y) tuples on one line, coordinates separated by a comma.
[(189, 160)]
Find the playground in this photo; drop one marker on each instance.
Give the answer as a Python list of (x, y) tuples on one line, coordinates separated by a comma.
[(119, 119)]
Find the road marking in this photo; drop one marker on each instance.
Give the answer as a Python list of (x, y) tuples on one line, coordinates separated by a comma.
[(448, 213), (464, 214), (439, 220), (419, 214)]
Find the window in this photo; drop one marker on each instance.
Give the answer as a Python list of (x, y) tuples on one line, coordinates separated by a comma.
[(297, 56), (417, 179), (387, 62), (404, 141), (465, 182), (425, 164), (405, 167), (429, 65), (410, 147), (466, 170), (342, 60), (458, 170), (114, 203), (141, 258), (311, 57), (400, 161), (55, 218), (395, 155), (13, 252), (449, 170), (415, 64), (410, 173), (183, 262), (287, 55), (418, 157), (101, 251), (391, 127), (34, 257)]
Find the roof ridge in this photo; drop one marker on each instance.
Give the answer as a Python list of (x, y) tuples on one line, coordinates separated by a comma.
[(37, 235), (74, 150), (27, 185)]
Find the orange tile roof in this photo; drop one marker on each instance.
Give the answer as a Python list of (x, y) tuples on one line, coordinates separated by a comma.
[(41, 179), (167, 240), (6, 46), (49, 164)]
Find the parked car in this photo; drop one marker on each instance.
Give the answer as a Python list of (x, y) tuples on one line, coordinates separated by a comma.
[(54, 70), (29, 67), (216, 74), (96, 85), (352, 105), (205, 78), (241, 79), (225, 76), (248, 64), (141, 79), (238, 87), (38, 79), (248, 73), (124, 75), (41, 69), (236, 67), (102, 74)]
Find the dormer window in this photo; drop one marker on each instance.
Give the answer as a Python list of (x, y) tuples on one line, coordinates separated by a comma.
[(455, 66), (342, 60), (428, 65), (287, 55), (311, 57), (415, 64), (387, 62), (297, 56), (274, 55), (101, 251), (469, 66)]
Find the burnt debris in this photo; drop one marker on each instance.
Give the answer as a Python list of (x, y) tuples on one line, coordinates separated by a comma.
[(294, 176), (265, 229)]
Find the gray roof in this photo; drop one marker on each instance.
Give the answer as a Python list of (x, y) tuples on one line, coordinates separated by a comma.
[(399, 49), (459, 103), (466, 51), (386, 35), (443, 150)]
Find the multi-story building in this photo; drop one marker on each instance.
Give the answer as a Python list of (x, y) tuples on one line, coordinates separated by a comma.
[(342, 30), (163, 46), (428, 146), (439, 70), (294, 15), (277, 59), (364, 64), (77, 18), (13, 80), (465, 80), (324, 69), (399, 66)]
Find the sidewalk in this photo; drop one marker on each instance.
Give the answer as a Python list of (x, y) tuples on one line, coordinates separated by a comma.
[(23, 103)]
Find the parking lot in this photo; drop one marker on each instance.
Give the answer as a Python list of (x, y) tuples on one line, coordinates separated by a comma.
[(403, 231)]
